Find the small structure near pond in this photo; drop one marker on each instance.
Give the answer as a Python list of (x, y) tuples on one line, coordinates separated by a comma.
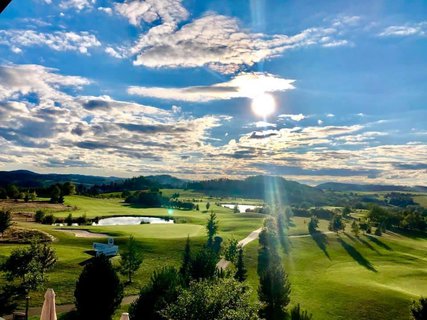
[(107, 249)]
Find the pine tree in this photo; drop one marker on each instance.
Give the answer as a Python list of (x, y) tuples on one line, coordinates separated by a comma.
[(241, 273), (186, 262)]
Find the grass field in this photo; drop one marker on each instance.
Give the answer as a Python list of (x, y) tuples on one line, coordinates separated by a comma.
[(334, 277)]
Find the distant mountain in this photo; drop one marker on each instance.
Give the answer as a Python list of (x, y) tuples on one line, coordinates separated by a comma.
[(336, 186), (271, 188), (24, 178), (168, 181)]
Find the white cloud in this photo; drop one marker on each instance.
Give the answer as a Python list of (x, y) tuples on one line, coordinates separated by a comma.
[(294, 117), (58, 40), (77, 4), (244, 85), (106, 10), (409, 29), (218, 42), (118, 53), (168, 11)]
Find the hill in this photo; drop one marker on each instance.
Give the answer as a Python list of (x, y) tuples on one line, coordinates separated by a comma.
[(24, 178), (336, 186), (271, 188)]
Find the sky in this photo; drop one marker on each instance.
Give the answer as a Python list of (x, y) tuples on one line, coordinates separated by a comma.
[(128, 88)]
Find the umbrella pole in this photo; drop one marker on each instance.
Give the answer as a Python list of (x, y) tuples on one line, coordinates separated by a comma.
[(27, 303)]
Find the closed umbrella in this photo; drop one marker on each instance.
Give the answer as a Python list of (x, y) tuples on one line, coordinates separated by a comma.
[(125, 316), (49, 309)]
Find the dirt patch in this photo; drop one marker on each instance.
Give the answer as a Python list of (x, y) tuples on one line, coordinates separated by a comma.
[(84, 233), (22, 235), (31, 206)]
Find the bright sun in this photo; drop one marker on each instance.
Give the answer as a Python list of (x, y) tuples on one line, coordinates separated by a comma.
[(263, 105)]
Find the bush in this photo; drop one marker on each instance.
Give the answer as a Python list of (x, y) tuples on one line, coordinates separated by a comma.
[(419, 309), (98, 290), (39, 216), (49, 219), (378, 231)]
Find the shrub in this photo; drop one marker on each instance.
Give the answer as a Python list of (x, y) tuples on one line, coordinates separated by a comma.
[(49, 219), (39, 216)]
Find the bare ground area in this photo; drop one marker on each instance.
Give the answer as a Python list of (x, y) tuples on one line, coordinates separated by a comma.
[(84, 233)]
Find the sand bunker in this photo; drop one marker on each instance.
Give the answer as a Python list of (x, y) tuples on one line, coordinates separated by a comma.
[(84, 233)]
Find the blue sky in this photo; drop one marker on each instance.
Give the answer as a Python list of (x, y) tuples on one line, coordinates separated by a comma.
[(166, 86)]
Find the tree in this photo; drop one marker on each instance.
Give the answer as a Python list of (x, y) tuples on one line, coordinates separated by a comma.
[(55, 194), (297, 314), (131, 259), (197, 207), (217, 299), (274, 292), (13, 192), (98, 290), (39, 216), (419, 309), (241, 272), (355, 228), (69, 219), (33, 196), (346, 211), (29, 265), (208, 205), (231, 250), (336, 224), (236, 209), (5, 221), (163, 289), (203, 265), (185, 269), (68, 189), (313, 224), (3, 193), (211, 228)]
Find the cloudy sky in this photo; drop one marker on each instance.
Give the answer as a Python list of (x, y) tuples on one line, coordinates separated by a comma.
[(167, 86)]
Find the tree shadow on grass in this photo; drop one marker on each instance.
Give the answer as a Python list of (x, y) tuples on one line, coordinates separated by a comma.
[(322, 241), (356, 255), (379, 243), (362, 241)]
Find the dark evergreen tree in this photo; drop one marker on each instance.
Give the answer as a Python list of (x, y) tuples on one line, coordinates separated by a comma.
[(419, 309), (297, 314), (98, 290), (241, 272), (5, 221)]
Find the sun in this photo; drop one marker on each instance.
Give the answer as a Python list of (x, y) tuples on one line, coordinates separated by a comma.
[(263, 105)]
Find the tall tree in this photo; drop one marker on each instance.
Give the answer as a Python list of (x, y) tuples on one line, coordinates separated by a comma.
[(231, 250), (313, 224), (216, 299), (162, 290), (297, 314), (208, 205), (68, 189), (5, 221), (241, 272), (355, 228), (13, 192), (337, 223), (185, 269), (131, 259), (55, 194), (98, 290), (211, 228), (274, 292)]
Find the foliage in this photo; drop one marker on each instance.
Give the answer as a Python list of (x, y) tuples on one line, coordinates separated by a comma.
[(203, 266), (29, 265), (56, 195), (231, 250), (49, 219), (346, 211), (236, 209), (69, 220), (185, 269), (355, 228), (98, 290), (378, 232), (13, 192), (39, 216), (241, 272), (131, 259), (211, 228), (313, 224), (273, 292), (68, 189), (208, 205), (218, 299), (419, 309), (163, 289), (297, 314), (5, 221), (336, 224), (9, 295)]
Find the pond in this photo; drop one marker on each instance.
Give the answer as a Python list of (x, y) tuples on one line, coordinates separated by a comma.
[(241, 207), (125, 221)]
